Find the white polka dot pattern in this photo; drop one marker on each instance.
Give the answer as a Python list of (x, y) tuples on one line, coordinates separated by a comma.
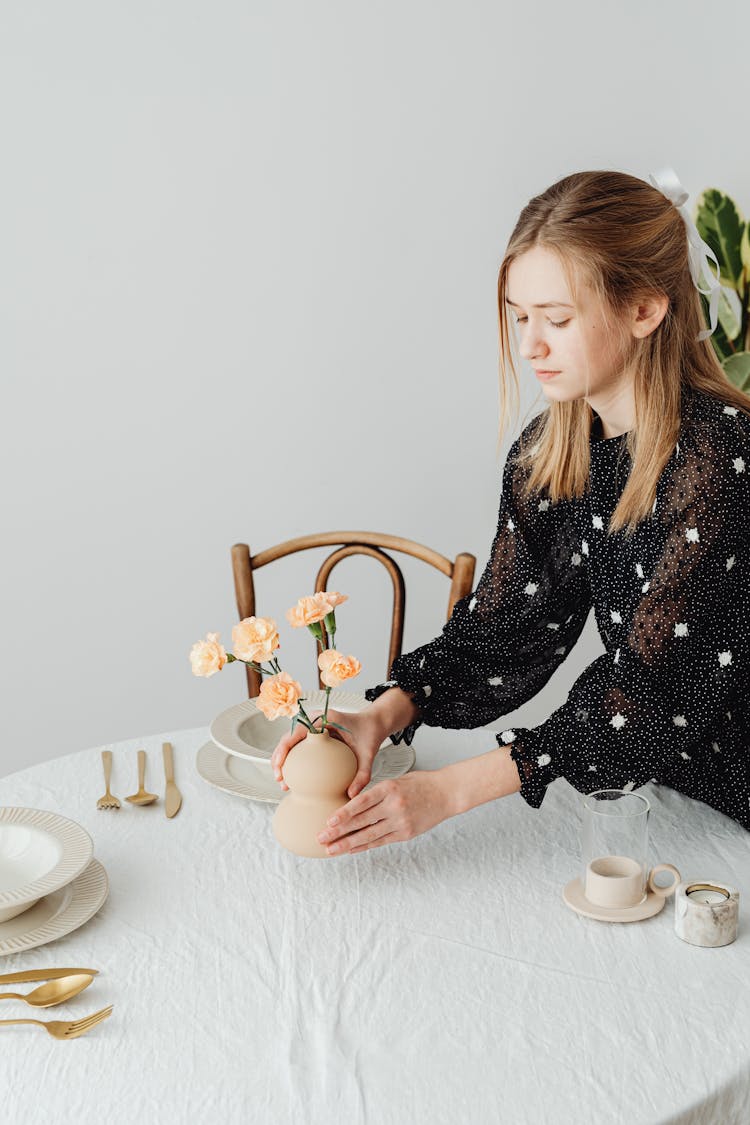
[(667, 702)]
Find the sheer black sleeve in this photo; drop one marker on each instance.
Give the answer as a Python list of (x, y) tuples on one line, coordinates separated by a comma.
[(655, 708), (504, 640)]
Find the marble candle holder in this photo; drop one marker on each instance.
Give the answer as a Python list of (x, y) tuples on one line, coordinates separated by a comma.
[(706, 913)]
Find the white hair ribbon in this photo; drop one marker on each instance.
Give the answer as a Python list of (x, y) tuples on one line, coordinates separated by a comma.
[(699, 251)]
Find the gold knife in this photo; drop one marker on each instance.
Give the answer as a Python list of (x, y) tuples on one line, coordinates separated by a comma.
[(172, 797), (42, 974)]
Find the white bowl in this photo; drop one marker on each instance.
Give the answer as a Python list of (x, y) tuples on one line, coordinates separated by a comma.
[(245, 731), (39, 853)]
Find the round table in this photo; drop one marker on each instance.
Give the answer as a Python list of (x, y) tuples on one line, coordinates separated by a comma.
[(439, 980)]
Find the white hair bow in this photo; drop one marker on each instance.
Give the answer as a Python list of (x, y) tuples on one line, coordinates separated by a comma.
[(699, 251)]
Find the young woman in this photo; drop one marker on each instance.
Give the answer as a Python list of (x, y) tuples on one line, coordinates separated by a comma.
[(630, 492)]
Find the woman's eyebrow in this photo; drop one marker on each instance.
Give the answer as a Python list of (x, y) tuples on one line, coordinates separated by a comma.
[(544, 305)]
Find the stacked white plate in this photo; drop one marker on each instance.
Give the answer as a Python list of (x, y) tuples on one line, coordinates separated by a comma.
[(238, 757), (50, 882)]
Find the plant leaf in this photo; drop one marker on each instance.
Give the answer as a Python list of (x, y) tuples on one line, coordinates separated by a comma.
[(720, 224), (737, 368), (745, 258), (338, 726)]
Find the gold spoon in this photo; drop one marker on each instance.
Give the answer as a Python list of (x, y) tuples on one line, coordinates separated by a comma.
[(47, 995), (142, 797)]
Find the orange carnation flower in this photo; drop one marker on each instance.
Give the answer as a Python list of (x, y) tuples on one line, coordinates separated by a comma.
[(207, 657), (309, 610), (255, 638), (279, 696), (335, 667)]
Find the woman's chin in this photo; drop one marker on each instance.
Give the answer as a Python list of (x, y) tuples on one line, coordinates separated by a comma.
[(553, 388), (560, 392)]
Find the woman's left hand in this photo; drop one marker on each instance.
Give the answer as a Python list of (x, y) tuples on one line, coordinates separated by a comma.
[(397, 809)]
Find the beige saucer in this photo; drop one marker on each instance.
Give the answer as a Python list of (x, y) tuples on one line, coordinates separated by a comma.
[(576, 900)]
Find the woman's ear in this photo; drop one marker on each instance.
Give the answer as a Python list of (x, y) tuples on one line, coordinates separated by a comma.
[(648, 314)]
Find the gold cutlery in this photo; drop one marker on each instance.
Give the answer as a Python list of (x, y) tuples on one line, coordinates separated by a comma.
[(43, 974), (47, 995), (59, 1029), (142, 797), (107, 801), (172, 796)]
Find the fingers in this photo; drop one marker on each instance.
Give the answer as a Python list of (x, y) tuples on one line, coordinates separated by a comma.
[(341, 718), (355, 813), (283, 746), (373, 836), (389, 838), (361, 751), (360, 780), (363, 755)]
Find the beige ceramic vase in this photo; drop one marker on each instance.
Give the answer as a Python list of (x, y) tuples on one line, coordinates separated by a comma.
[(318, 771)]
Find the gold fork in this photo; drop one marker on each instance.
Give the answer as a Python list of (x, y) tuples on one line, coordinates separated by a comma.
[(108, 801), (59, 1029)]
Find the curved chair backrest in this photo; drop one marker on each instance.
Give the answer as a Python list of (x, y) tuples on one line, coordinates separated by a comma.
[(460, 572)]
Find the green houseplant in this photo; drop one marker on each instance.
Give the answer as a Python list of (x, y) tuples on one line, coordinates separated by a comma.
[(721, 224)]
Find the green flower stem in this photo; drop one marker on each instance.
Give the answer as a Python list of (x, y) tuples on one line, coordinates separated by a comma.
[(325, 712), (252, 664), (307, 720)]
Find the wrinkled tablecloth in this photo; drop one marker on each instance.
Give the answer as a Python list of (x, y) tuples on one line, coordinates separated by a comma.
[(439, 980)]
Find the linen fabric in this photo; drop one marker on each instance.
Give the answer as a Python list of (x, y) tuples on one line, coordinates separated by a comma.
[(667, 701), (438, 980)]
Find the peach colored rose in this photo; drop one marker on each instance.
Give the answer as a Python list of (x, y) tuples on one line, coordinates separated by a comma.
[(335, 667), (207, 657), (309, 610), (255, 638), (279, 696)]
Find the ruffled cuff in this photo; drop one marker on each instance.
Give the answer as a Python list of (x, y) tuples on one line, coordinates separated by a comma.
[(406, 734), (534, 764)]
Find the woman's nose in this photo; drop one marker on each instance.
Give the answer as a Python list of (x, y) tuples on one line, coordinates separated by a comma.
[(532, 345)]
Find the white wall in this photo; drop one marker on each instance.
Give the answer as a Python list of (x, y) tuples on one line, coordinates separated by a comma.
[(249, 256)]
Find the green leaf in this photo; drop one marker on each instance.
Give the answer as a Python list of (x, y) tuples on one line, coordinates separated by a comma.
[(720, 224), (230, 658), (338, 726), (729, 322), (745, 259), (295, 720), (737, 368)]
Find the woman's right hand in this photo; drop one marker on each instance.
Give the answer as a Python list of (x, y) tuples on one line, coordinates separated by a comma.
[(364, 737)]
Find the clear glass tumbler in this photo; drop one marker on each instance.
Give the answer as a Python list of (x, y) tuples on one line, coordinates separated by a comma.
[(614, 848)]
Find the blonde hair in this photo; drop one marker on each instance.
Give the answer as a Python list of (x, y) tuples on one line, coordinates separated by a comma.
[(627, 241)]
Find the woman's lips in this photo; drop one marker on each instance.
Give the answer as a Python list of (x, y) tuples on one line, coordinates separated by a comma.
[(544, 375)]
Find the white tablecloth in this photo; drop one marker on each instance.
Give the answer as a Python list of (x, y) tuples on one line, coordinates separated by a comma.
[(439, 980)]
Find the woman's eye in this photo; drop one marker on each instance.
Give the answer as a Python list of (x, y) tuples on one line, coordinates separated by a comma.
[(554, 323)]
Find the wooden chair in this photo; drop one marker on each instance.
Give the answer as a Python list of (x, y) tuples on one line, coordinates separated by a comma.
[(460, 572)]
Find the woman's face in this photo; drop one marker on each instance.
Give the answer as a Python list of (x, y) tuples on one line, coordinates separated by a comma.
[(571, 341)]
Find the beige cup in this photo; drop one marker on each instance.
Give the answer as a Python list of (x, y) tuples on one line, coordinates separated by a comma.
[(616, 881)]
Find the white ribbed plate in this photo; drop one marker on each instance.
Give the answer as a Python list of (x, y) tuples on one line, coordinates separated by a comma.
[(245, 731), (30, 838), (58, 913), (257, 783)]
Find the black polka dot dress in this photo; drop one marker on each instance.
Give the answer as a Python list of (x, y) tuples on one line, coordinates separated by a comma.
[(667, 702)]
